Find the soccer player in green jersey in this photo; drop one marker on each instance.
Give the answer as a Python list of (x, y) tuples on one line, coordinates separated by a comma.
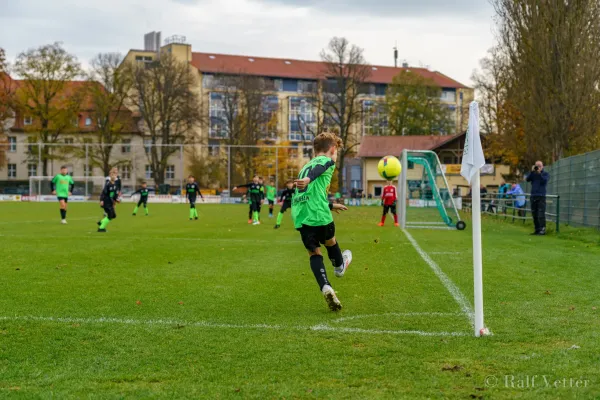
[(311, 212), (285, 201), (271, 194), (62, 186), (255, 195), (143, 192)]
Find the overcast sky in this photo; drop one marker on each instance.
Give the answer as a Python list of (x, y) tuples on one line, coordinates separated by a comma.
[(450, 36)]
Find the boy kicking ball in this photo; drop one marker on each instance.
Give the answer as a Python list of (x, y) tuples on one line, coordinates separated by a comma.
[(388, 201), (312, 217)]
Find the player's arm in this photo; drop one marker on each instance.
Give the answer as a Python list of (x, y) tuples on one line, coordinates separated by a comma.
[(242, 186), (199, 192), (104, 194), (313, 174), (53, 185), (336, 207), (71, 185)]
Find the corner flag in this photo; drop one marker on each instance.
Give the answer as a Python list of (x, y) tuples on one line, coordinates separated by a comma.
[(473, 158)]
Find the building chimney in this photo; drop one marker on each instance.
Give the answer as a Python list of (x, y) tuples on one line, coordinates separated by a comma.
[(396, 56)]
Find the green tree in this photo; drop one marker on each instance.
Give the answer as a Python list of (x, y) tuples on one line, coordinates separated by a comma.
[(48, 95), (414, 106)]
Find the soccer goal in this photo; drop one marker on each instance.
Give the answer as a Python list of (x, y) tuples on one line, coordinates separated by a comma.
[(425, 199), (86, 187)]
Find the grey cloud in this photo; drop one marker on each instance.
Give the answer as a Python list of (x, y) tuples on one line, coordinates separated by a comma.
[(395, 8)]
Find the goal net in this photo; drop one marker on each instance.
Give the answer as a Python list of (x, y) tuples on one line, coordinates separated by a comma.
[(425, 199), (86, 188)]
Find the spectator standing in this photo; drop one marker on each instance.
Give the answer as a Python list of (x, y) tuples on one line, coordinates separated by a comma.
[(539, 180), (519, 196)]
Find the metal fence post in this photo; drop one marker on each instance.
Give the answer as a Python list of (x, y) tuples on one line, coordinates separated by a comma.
[(276, 168), (557, 214), (229, 170), (40, 165), (181, 162), (87, 168)]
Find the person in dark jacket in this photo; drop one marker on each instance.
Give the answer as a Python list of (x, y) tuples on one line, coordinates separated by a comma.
[(539, 180)]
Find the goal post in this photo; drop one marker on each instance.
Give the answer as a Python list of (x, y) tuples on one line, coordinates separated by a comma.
[(426, 200)]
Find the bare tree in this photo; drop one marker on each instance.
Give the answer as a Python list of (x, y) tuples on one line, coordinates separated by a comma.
[(414, 107), (7, 90), (552, 49), (345, 71), (48, 95), (169, 107), (107, 94)]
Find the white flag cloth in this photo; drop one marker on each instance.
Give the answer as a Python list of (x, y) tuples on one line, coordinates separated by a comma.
[(473, 158)]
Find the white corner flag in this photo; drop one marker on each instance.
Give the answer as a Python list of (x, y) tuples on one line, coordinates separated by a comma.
[(473, 160)]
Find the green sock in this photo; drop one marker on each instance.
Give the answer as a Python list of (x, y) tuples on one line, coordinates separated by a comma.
[(104, 222), (145, 209), (135, 210), (195, 213), (279, 218), (191, 213), (255, 215)]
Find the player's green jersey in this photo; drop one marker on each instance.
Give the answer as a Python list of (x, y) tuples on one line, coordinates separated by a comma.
[(271, 193), (310, 206), (61, 184)]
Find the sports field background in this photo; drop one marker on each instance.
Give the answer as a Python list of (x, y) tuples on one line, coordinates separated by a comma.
[(163, 307)]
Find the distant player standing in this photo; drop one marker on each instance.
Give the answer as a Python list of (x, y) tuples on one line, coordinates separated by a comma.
[(255, 195), (388, 200), (108, 199), (311, 212), (143, 192), (261, 182), (286, 201), (62, 186), (191, 191), (271, 194)]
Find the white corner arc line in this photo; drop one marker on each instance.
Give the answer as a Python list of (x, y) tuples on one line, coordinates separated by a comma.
[(393, 314), (460, 298), (216, 325)]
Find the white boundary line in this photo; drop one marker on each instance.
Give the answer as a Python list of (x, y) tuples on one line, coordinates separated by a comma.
[(460, 298), (56, 220), (407, 314), (214, 325)]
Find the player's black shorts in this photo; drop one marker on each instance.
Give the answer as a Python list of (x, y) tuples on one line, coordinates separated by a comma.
[(143, 200), (192, 201), (389, 208), (314, 236), (271, 202), (285, 206), (255, 206), (110, 212), (66, 199)]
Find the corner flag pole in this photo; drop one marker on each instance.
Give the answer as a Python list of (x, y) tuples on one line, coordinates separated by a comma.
[(473, 160)]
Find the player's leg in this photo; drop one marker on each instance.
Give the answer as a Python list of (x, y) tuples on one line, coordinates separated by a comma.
[(255, 213), (192, 208), (249, 211), (385, 211), (340, 261), (135, 210), (110, 215), (284, 207), (271, 205), (146, 206), (195, 213), (393, 210), (62, 204)]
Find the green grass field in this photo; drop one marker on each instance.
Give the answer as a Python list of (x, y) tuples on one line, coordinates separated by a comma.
[(161, 307)]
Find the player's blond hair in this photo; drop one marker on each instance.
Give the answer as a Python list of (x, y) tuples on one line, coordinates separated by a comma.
[(325, 141)]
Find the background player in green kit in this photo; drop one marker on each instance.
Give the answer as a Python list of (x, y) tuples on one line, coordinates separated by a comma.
[(108, 199), (311, 212), (271, 194), (191, 190), (255, 196), (286, 201), (62, 186), (143, 192)]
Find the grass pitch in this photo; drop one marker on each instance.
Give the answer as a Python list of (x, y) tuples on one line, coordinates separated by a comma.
[(161, 307)]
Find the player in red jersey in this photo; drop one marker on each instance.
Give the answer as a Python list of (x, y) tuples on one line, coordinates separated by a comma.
[(388, 200)]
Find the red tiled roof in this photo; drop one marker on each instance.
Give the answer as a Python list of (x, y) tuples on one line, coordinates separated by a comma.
[(381, 146), (300, 69)]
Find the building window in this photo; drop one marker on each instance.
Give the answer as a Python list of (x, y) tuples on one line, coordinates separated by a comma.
[(27, 121), (355, 177), (307, 87), (170, 172), (148, 171), (12, 170), (302, 119), (68, 141), (218, 115), (375, 121), (377, 191), (88, 121), (294, 150), (213, 148), (147, 145), (31, 169), (126, 146), (12, 144), (290, 85), (270, 108), (449, 96), (125, 172)]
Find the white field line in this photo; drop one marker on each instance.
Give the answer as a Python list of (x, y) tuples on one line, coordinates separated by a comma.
[(40, 221), (214, 325), (460, 298), (443, 228), (445, 252), (408, 314)]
